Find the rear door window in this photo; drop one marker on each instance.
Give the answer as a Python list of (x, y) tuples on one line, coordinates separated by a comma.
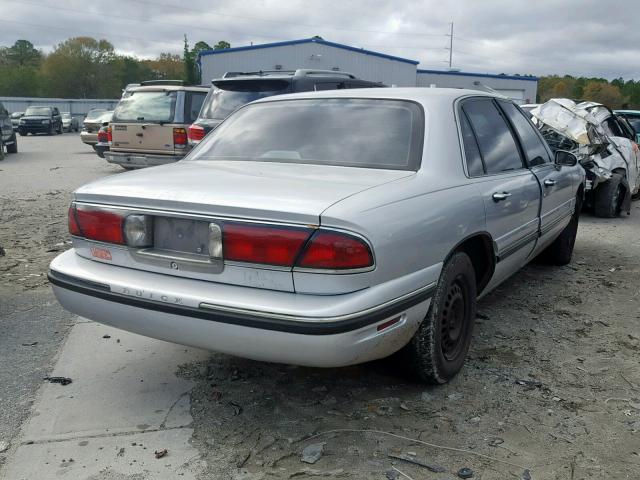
[(498, 148), (530, 140), (193, 104), (475, 168)]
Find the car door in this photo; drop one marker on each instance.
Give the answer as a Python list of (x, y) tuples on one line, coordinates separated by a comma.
[(510, 191), (556, 182)]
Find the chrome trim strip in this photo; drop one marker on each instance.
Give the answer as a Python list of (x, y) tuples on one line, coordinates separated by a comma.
[(338, 318)]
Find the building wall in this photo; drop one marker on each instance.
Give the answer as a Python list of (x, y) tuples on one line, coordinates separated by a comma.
[(312, 56), (77, 106), (521, 90)]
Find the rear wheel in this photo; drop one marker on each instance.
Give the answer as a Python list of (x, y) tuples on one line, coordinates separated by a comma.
[(22, 133), (438, 349), (50, 131), (60, 129), (608, 197), (1, 148)]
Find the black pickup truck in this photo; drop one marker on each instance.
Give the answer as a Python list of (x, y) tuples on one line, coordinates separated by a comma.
[(40, 120)]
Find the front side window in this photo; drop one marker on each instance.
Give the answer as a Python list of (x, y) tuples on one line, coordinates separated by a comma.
[(147, 106), (497, 145), (193, 104), (39, 111), (531, 143), (366, 133)]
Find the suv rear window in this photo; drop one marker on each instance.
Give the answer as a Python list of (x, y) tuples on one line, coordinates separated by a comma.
[(384, 134), (46, 111), (227, 96), (146, 106)]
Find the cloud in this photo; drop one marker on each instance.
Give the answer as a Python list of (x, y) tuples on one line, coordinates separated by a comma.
[(577, 37)]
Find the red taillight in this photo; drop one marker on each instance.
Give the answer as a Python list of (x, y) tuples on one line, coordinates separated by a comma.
[(263, 243), (196, 133), (336, 251), (180, 137), (109, 134), (74, 228), (95, 224), (103, 136)]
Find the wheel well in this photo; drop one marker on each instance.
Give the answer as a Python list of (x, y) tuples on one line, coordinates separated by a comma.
[(479, 248)]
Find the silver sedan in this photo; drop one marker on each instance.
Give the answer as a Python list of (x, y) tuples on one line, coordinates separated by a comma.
[(326, 229)]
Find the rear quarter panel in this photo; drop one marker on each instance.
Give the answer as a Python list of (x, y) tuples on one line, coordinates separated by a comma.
[(413, 223)]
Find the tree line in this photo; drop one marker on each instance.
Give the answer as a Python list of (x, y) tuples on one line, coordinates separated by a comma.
[(84, 67)]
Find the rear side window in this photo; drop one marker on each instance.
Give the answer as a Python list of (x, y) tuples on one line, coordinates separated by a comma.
[(534, 148), (386, 134), (497, 145), (193, 104), (471, 150), (146, 106), (328, 86)]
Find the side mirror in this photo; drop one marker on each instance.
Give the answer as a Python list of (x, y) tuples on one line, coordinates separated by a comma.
[(637, 137), (565, 158)]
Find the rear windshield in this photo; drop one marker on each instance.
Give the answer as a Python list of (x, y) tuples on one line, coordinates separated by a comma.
[(146, 106), (93, 114), (46, 111), (366, 133), (227, 96)]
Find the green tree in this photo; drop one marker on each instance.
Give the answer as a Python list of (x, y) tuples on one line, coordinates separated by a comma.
[(21, 53), (221, 45), (82, 67), (604, 93), (166, 66)]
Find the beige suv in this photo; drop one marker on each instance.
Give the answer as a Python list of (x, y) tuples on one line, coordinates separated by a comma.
[(149, 125)]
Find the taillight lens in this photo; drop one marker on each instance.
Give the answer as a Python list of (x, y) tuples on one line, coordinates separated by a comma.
[(336, 251), (102, 136), (109, 134), (96, 224), (74, 228), (263, 243), (196, 133), (180, 138)]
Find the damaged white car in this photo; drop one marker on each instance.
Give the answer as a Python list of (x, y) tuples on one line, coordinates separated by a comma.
[(605, 145)]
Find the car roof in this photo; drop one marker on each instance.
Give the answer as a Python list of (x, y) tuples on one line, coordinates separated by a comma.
[(417, 94), (164, 88)]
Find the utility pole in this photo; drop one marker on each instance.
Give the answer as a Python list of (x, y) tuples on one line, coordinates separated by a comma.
[(451, 45)]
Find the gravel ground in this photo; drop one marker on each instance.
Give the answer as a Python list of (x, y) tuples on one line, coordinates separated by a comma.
[(552, 384)]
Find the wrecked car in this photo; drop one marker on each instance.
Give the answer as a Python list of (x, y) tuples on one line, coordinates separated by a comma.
[(372, 226), (605, 145)]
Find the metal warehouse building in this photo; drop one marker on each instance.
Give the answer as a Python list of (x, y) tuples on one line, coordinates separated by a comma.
[(522, 89), (318, 54), (311, 53)]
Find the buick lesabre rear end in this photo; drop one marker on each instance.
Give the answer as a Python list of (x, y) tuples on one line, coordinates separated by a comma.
[(314, 229)]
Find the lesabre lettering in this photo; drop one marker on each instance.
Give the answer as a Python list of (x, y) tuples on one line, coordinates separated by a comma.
[(135, 292)]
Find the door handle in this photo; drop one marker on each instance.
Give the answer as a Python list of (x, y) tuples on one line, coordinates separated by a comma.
[(499, 196), (549, 182)]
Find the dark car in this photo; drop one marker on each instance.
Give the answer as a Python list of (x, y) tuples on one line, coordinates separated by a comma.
[(40, 120), (7, 135), (236, 89)]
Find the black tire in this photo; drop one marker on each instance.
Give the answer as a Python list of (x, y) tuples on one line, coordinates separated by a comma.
[(13, 148), (50, 131), (608, 197), (1, 148), (561, 250), (435, 357), (60, 130), (22, 133)]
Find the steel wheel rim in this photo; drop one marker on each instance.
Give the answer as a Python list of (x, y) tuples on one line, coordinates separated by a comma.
[(453, 326)]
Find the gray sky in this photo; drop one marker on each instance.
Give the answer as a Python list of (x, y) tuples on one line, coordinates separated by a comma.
[(579, 37)]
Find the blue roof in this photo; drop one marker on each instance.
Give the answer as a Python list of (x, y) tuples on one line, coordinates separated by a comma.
[(530, 78), (308, 40)]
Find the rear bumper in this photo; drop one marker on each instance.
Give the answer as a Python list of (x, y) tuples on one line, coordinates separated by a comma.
[(89, 138), (140, 160), (197, 313)]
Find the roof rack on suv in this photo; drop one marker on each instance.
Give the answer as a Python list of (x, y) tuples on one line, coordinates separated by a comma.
[(162, 82), (300, 72), (303, 72)]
